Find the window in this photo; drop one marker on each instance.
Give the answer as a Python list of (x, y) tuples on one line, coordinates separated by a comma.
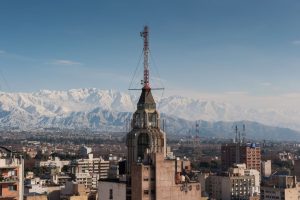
[(110, 194), (143, 143), (12, 188), (146, 192)]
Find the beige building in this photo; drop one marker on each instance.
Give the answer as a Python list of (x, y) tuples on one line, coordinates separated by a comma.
[(75, 191), (112, 189), (280, 187), (266, 168), (237, 183)]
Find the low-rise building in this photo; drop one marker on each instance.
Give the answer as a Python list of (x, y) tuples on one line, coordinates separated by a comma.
[(236, 183), (54, 163), (280, 187), (112, 189)]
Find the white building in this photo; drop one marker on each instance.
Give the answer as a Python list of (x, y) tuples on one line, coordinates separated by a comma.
[(54, 163), (85, 179), (94, 168)]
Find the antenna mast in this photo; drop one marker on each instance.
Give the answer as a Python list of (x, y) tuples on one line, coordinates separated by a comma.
[(237, 147), (145, 35)]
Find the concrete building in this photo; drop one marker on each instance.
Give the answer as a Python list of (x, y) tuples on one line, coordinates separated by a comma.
[(75, 191), (54, 163), (244, 153), (112, 189), (91, 168), (203, 179), (280, 187), (85, 179), (266, 168), (237, 183), (60, 178), (11, 176)]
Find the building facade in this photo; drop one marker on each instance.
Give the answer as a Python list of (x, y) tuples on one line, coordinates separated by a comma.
[(11, 177), (249, 154), (112, 189), (280, 187), (89, 171), (266, 168), (236, 183)]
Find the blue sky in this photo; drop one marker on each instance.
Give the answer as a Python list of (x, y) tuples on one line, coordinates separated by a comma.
[(198, 46)]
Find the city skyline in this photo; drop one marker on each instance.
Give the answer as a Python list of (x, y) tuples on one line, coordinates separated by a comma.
[(245, 52)]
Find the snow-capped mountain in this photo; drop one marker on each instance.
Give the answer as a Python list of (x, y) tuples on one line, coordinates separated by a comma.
[(105, 109)]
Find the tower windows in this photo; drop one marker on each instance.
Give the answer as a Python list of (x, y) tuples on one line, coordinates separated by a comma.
[(143, 143), (152, 119)]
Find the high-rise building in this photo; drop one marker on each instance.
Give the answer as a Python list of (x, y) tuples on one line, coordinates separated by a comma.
[(235, 153), (11, 176), (150, 173)]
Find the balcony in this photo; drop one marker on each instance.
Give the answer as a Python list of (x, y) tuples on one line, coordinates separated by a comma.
[(11, 179)]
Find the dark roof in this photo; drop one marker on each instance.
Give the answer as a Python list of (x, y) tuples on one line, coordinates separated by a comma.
[(146, 100)]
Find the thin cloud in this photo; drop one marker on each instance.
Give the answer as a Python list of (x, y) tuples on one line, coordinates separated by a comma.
[(296, 42), (236, 93), (2, 52), (266, 84), (65, 62)]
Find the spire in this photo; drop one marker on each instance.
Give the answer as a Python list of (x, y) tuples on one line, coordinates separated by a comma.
[(145, 35), (146, 100)]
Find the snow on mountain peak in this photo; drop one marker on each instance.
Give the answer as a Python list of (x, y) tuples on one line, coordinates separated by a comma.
[(88, 106)]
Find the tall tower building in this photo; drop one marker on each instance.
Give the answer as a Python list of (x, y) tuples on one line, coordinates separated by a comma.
[(146, 135), (150, 174)]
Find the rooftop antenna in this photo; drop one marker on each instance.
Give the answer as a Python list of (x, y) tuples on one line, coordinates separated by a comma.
[(145, 35), (237, 142), (145, 82), (244, 134), (197, 133)]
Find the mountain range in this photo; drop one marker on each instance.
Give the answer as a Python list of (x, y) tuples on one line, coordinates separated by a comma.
[(111, 110)]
